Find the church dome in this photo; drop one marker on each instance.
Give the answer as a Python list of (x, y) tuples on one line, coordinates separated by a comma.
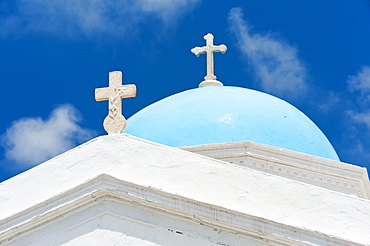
[(220, 114)]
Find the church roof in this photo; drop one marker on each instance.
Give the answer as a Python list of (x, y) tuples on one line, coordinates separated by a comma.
[(219, 114), (181, 175)]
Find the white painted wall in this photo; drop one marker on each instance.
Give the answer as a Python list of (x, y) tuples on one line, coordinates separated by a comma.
[(114, 223), (225, 195)]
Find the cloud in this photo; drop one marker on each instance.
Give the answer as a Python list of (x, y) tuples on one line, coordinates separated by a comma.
[(274, 61), (328, 101), (29, 141), (360, 117), (87, 17), (355, 104), (361, 81), (359, 85), (166, 10)]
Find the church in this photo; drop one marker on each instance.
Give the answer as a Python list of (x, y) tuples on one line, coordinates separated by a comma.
[(214, 165)]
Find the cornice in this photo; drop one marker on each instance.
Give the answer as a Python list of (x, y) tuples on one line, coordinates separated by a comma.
[(106, 188), (322, 172)]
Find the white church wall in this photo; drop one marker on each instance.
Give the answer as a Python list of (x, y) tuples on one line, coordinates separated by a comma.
[(109, 221), (108, 210), (177, 184)]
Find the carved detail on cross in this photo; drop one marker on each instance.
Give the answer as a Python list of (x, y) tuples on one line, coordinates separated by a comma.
[(209, 49), (115, 123)]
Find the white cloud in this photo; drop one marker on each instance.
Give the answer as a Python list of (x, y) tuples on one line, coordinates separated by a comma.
[(30, 141), (88, 17), (360, 84), (167, 10), (361, 81), (328, 101), (274, 61), (360, 117)]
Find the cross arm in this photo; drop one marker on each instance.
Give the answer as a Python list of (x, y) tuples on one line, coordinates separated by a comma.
[(123, 91), (102, 94), (222, 48), (126, 91), (198, 50)]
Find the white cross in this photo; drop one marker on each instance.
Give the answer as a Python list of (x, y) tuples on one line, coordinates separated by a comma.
[(209, 49), (115, 123)]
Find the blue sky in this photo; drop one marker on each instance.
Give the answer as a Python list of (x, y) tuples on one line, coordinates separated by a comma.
[(53, 54)]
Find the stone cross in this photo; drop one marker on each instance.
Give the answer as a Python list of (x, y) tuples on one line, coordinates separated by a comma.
[(115, 123), (210, 78)]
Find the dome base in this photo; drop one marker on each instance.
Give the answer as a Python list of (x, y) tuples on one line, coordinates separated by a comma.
[(210, 83)]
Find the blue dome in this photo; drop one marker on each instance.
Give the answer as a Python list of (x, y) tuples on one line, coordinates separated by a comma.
[(219, 114)]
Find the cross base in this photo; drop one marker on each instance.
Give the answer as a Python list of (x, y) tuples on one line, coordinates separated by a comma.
[(114, 125), (210, 83)]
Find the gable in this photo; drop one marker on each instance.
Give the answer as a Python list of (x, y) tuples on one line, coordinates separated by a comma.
[(182, 185)]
